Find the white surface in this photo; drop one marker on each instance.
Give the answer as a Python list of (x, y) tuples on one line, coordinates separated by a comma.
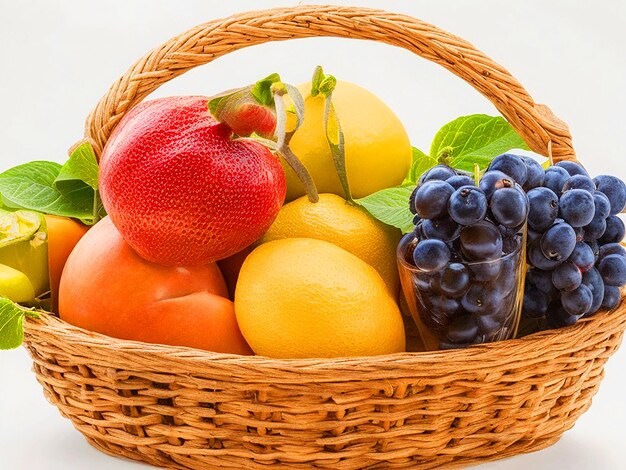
[(60, 57)]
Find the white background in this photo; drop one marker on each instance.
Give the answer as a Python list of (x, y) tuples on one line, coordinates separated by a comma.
[(59, 57)]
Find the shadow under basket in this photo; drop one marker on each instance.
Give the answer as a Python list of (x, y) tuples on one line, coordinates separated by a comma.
[(189, 409)]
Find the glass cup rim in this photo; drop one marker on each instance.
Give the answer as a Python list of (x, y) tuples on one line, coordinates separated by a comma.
[(405, 264)]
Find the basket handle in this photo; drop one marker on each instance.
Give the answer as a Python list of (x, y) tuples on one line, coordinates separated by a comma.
[(537, 125)]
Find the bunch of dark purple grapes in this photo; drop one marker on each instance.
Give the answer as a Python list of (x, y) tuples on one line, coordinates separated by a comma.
[(574, 234), (466, 281)]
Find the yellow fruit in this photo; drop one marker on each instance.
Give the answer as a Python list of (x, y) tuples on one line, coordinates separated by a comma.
[(348, 226), (300, 297), (15, 285), (378, 151)]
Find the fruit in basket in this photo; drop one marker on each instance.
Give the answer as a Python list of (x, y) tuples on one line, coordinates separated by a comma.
[(24, 247), (180, 190), (377, 147), (571, 221), (465, 254), (63, 235), (348, 226), (318, 301), (107, 288), (15, 285)]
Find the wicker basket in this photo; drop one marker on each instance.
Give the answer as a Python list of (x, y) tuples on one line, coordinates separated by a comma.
[(184, 408)]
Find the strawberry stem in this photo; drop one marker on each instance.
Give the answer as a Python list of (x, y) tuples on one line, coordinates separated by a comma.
[(259, 111)]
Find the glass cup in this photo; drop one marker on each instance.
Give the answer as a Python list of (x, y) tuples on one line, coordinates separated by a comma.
[(465, 303)]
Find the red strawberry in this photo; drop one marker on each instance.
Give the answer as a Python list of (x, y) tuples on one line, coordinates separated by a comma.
[(180, 190)]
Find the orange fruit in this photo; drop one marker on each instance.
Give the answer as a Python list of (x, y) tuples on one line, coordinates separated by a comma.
[(300, 297), (107, 288), (348, 226), (63, 235)]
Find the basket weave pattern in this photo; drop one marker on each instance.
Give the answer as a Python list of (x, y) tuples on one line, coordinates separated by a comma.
[(184, 408)]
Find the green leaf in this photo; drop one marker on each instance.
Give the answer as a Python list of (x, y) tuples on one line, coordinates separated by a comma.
[(262, 90), (12, 323), (474, 139), (82, 166), (32, 186), (420, 163), (390, 206)]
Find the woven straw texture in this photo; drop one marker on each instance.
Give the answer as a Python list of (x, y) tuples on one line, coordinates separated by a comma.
[(184, 408)]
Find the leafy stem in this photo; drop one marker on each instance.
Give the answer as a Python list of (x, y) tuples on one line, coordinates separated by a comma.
[(324, 85), (284, 137)]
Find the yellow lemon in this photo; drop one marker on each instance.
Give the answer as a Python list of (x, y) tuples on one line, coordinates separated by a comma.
[(348, 226), (377, 147), (300, 297)]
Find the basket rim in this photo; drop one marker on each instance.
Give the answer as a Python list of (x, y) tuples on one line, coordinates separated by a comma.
[(524, 351)]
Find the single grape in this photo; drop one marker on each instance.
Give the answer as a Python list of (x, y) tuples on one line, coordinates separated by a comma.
[(493, 180), (602, 204), (534, 172), (431, 199), (614, 189), (480, 298), (543, 208), (444, 305), (443, 228), (612, 296), (462, 329), (582, 256), (573, 168), (577, 207), (511, 165), (509, 207), (612, 268), (454, 280), (431, 255), (579, 182), (467, 205), (593, 281), (555, 179), (437, 173), (537, 259), (578, 301), (481, 241), (567, 277), (614, 232), (535, 303), (457, 181), (558, 242), (612, 249), (595, 229)]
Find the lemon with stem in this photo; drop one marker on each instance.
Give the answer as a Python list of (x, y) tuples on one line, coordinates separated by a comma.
[(377, 147)]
